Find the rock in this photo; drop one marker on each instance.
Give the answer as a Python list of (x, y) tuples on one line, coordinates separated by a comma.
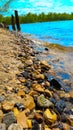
[(45, 63), (29, 62), (47, 84), (22, 120), (21, 93), (1, 116), (55, 83), (38, 87), (28, 102), (29, 122), (7, 106), (20, 106), (60, 105), (56, 129), (9, 118), (50, 116), (70, 121), (2, 98), (43, 102), (47, 129), (35, 125), (22, 80), (15, 126), (71, 94), (66, 126), (16, 111), (38, 117), (39, 76), (2, 126), (48, 92)]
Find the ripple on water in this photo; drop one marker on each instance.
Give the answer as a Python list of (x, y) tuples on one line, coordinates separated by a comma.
[(64, 75)]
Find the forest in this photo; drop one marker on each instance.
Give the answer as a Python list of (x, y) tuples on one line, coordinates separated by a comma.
[(32, 18)]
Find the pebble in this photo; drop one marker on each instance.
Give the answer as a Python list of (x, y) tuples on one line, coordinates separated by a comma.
[(7, 106), (50, 116), (1, 115), (2, 126), (43, 102), (15, 126), (60, 105), (9, 118), (2, 98)]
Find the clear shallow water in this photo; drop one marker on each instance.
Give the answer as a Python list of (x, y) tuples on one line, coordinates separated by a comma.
[(59, 32)]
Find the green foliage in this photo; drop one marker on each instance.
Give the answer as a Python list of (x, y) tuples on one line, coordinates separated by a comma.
[(31, 18)]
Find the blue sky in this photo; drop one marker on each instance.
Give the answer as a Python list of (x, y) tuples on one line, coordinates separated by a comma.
[(37, 6)]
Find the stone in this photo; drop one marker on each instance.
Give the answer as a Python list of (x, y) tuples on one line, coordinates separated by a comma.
[(38, 87), (66, 126), (21, 93), (71, 94), (22, 120), (56, 129), (9, 118), (50, 116), (28, 102), (38, 117), (7, 106), (44, 62), (29, 122), (35, 125), (15, 126), (20, 106), (60, 105), (43, 102), (1, 116), (2, 98), (39, 76), (22, 80), (48, 92), (29, 62), (55, 83), (16, 111), (2, 126), (47, 129)]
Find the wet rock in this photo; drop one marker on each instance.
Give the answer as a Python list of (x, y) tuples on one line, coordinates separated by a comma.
[(39, 76), (35, 125), (1, 116), (2, 126), (9, 118), (28, 102), (55, 84), (2, 98), (15, 126), (50, 116), (7, 106), (20, 106), (60, 105), (43, 102), (46, 49), (29, 62), (22, 120), (25, 74)]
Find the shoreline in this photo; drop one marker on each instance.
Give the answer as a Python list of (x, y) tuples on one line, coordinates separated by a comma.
[(30, 73)]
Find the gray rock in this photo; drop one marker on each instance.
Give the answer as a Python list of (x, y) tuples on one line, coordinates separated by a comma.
[(2, 98), (9, 118), (15, 126), (43, 102), (2, 126)]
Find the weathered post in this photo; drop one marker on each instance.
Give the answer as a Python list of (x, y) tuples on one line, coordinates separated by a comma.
[(17, 20), (13, 22)]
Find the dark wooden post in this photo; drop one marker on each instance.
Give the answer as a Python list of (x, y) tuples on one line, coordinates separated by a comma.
[(13, 22), (17, 20)]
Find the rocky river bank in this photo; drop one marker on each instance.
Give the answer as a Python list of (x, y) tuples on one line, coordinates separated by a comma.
[(36, 85)]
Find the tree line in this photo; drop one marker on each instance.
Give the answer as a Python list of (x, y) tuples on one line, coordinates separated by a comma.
[(32, 18)]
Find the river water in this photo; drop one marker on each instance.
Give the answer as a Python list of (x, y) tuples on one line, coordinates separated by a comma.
[(59, 32)]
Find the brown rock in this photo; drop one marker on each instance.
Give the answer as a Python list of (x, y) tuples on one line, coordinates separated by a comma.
[(21, 93), (55, 129), (22, 120), (22, 80), (38, 87), (39, 76), (28, 102), (7, 106), (71, 94), (1, 116), (48, 92), (66, 126), (38, 117)]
